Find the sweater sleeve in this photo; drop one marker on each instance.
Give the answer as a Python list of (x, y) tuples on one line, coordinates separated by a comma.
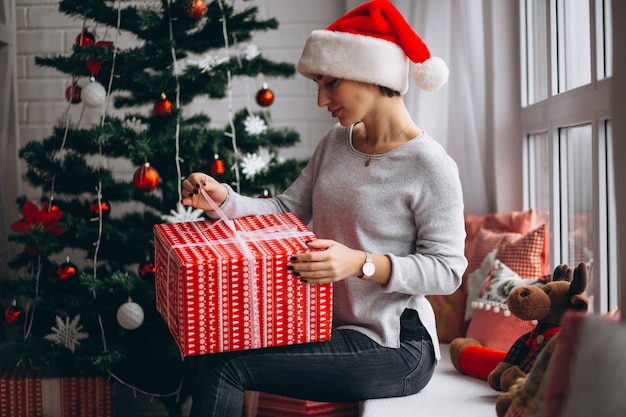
[(438, 262)]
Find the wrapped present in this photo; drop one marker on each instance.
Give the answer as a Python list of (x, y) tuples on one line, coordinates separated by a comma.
[(224, 286), (24, 393), (271, 405)]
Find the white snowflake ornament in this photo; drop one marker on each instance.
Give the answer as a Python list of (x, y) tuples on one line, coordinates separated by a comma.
[(135, 124), (253, 164), (250, 52), (67, 334), (255, 125), (207, 63), (183, 214)]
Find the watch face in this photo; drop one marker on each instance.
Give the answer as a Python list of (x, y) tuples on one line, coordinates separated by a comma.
[(369, 269)]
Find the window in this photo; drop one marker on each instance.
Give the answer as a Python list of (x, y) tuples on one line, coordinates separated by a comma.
[(576, 186), (566, 126), (573, 39), (535, 48), (538, 172)]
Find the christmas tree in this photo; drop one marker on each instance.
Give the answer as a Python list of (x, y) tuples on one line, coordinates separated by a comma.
[(82, 295)]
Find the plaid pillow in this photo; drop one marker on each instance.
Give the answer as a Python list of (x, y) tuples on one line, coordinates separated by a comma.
[(525, 254)]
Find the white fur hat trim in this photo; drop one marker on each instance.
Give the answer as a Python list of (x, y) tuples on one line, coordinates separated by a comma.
[(355, 57)]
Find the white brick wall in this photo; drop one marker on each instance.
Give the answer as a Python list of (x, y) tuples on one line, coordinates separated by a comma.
[(42, 31)]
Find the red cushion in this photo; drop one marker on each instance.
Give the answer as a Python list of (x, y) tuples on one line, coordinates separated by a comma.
[(495, 330), (450, 309)]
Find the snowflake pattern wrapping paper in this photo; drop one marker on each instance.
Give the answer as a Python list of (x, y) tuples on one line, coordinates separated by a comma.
[(272, 405), (25, 393), (221, 291)]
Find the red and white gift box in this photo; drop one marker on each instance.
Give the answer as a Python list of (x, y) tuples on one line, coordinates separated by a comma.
[(24, 393), (272, 405), (224, 286)]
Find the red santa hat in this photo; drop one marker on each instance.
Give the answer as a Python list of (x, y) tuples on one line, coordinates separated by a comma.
[(373, 44)]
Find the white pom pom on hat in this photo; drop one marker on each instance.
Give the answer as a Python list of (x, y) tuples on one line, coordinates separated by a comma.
[(374, 44), (431, 74)]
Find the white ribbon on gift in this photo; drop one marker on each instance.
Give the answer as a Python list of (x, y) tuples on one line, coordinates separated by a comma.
[(254, 311)]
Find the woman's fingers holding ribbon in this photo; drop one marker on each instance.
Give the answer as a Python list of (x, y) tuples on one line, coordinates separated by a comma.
[(327, 261), (192, 196)]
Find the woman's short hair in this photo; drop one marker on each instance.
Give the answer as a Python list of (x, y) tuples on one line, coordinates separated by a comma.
[(388, 91)]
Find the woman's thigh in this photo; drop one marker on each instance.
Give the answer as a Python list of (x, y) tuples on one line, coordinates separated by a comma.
[(349, 367)]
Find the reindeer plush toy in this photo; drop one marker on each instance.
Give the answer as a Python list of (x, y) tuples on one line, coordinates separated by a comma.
[(545, 304)]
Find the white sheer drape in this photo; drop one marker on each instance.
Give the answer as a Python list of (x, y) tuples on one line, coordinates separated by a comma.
[(457, 115)]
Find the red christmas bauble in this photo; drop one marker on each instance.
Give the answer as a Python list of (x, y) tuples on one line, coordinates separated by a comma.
[(85, 38), (264, 97), (146, 178), (66, 270), (104, 44), (104, 206), (72, 93), (147, 270), (217, 166), (163, 106), (12, 313), (196, 9), (93, 65), (49, 207)]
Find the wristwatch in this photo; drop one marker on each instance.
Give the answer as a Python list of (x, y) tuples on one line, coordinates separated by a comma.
[(368, 269)]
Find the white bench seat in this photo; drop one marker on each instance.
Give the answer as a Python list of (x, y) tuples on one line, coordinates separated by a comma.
[(448, 394)]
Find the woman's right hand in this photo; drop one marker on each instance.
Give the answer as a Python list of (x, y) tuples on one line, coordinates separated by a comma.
[(193, 197)]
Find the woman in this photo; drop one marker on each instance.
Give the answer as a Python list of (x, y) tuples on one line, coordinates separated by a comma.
[(385, 201)]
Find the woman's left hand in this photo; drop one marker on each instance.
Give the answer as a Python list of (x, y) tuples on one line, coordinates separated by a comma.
[(327, 261)]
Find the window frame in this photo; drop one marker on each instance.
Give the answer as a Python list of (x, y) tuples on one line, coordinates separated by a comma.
[(588, 104)]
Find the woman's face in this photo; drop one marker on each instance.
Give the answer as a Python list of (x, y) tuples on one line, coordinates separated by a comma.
[(348, 101)]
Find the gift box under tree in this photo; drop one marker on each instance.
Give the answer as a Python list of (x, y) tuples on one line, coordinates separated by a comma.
[(25, 393), (272, 405), (224, 286)]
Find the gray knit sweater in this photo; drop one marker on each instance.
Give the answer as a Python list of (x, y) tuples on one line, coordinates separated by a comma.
[(407, 205)]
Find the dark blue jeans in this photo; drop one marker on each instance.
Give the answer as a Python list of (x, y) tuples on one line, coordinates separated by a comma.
[(349, 367)]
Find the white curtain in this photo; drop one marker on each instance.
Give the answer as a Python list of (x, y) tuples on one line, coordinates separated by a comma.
[(457, 114)]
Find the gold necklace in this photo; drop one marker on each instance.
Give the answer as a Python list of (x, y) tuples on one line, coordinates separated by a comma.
[(369, 154)]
